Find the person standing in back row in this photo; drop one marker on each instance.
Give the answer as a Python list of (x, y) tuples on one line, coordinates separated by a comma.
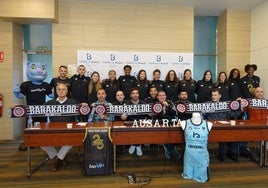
[(79, 88), (111, 86), (156, 82), (127, 81), (250, 81), (204, 87), (172, 86), (93, 87), (223, 85), (188, 84), (62, 78), (143, 84), (235, 91)]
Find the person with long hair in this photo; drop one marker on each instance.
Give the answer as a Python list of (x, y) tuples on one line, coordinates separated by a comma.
[(235, 90), (188, 84), (93, 87), (172, 86), (204, 87), (143, 84), (223, 85)]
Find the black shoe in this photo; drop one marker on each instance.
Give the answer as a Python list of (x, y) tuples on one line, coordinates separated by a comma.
[(221, 157), (22, 147), (233, 156), (247, 154), (64, 162), (55, 165)]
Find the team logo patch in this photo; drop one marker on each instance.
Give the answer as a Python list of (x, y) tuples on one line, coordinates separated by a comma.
[(234, 105), (157, 108), (100, 109), (19, 111), (244, 103), (181, 108), (84, 110)]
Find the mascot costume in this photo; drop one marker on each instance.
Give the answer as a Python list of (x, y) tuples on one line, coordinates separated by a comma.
[(35, 90)]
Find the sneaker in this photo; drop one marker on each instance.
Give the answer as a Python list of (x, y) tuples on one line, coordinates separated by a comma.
[(232, 156), (245, 152), (138, 150), (131, 149), (22, 147), (64, 162), (175, 153), (221, 157), (167, 153)]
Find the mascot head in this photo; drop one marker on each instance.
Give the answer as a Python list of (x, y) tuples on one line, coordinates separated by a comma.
[(36, 71)]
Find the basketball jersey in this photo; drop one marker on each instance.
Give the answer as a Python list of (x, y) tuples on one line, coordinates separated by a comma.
[(196, 140)]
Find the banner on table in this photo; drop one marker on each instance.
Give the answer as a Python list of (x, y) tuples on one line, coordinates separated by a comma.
[(97, 152), (103, 61)]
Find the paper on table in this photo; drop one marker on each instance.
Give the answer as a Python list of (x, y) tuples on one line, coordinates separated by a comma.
[(33, 128), (119, 126), (224, 122), (81, 124)]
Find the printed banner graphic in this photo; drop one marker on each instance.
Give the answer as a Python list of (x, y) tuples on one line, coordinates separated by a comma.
[(68, 110), (48, 110), (103, 61)]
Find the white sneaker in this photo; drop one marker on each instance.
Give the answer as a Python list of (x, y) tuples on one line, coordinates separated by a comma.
[(131, 149), (138, 150)]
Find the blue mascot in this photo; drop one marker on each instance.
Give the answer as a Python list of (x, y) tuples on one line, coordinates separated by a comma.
[(35, 90)]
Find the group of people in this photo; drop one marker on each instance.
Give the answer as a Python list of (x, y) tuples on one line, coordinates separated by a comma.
[(130, 90), (84, 89)]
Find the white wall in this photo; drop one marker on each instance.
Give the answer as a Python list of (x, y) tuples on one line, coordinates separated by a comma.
[(259, 43)]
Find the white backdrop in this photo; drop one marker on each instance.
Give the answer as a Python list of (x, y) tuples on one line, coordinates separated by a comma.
[(103, 61)]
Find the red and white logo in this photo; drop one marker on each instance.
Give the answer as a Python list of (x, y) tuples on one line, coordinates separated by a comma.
[(19, 111), (157, 108), (181, 108), (100, 109), (244, 103), (234, 105), (84, 110)]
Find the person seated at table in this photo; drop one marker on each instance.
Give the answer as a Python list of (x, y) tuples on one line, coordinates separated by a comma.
[(101, 96), (183, 99), (232, 146), (134, 100), (59, 157), (120, 100), (254, 114), (152, 95), (168, 112), (258, 113)]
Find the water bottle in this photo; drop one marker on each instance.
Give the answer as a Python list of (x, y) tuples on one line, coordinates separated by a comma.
[(30, 122), (245, 116), (90, 116)]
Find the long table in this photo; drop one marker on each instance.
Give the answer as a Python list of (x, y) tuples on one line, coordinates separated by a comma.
[(56, 134)]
